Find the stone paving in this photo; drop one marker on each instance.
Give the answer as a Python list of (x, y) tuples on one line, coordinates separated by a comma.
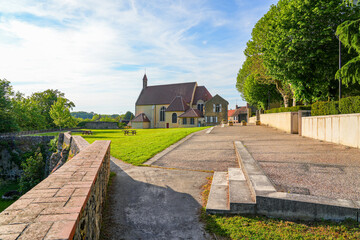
[(301, 165)]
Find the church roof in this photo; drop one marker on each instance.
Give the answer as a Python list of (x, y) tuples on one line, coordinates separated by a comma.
[(191, 113), (165, 94), (177, 105), (201, 93), (141, 118)]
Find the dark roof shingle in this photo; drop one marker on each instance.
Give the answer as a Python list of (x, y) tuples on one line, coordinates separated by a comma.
[(191, 113), (177, 105), (141, 118), (201, 93), (164, 94)]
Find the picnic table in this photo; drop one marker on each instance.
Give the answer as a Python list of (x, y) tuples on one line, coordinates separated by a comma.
[(87, 133), (127, 132)]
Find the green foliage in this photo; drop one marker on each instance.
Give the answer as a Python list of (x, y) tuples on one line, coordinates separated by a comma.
[(34, 170), (349, 34), (83, 115), (325, 108), (53, 144), (258, 227), (60, 113), (4, 188), (7, 121), (349, 105), (288, 109), (128, 116), (301, 48), (137, 149)]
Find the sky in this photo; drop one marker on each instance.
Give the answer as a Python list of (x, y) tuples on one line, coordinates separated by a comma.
[(96, 52)]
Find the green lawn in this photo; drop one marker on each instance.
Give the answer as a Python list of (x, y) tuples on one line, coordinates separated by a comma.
[(137, 149), (5, 187)]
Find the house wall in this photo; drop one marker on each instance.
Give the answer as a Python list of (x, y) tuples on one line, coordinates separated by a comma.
[(342, 129), (140, 125), (168, 119), (159, 124), (148, 110), (188, 125), (209, 111)]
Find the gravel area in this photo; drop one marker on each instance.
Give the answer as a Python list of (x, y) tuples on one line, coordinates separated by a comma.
[(301, 165)]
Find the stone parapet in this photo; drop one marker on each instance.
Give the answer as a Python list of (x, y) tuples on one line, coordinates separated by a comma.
[(341, 129), (65, 205), (285, 121)]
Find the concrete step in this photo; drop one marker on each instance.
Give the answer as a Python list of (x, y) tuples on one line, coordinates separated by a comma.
[(240, 197), (218, 201)]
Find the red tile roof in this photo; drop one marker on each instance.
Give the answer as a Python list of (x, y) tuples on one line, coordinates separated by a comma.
[(191, 113), (239, 110), (177, 105), (201, 93), (231, 112), (164, 94), (141, 118)]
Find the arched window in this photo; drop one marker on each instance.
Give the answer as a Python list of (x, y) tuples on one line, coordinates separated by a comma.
[(174, 118), (162, 114)]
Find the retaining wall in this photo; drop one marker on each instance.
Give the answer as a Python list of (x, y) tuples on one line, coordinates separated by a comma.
[(342, 129), (65, 205), (286, 121)]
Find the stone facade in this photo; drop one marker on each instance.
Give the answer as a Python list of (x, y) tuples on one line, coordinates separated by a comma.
[(216, 111), (12, 150), (65, 205)]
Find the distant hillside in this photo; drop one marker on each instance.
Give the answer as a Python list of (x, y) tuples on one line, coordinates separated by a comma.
[(83, 115)]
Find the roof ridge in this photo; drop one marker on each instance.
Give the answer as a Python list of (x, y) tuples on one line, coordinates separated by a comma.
[(170, 84)]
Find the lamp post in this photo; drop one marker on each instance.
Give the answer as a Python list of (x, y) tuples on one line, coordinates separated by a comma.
[(339, 68)]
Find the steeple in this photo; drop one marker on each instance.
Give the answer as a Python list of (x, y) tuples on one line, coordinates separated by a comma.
[(145, 80)]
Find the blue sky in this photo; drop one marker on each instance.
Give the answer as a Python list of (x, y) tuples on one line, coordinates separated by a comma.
[(96, 52)]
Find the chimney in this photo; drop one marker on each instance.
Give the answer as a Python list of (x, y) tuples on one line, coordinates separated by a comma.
[(145, 81), (236, 106)]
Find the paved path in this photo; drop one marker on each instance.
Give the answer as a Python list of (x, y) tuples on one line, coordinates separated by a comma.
[(153, 203)]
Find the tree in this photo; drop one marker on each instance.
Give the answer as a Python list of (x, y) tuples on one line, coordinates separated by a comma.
[(349, 35), (129, 115), (60, 114), (7, 121), (301, 47), (46, 99)]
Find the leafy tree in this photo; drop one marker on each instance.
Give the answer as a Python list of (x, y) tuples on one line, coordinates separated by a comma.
[(60, 114), (128, 115), (83, 115), (7, 122), (349, 35), (46, 99), (301, 47), (34, 172)]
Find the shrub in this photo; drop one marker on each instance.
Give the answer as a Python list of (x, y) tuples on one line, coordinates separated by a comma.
[(325, 108), (288, 109), (349, 105), (53, 144), (33, 173)]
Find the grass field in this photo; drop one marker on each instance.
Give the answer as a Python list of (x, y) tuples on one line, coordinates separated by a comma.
[(257, 227), (5, 187), (137, 149)]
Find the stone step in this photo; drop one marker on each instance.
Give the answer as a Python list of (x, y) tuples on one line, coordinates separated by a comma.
[(218, 201), (240, 197)]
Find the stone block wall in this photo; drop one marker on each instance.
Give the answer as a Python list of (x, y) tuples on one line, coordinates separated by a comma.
[(65, 205), (13, 148), (285, 121), (101, 125), (342, 129)]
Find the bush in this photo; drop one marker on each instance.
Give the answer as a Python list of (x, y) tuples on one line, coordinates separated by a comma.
[(345, 106), (349, 105), (33, 173), (288, 109), (325, 108), (53, 144)]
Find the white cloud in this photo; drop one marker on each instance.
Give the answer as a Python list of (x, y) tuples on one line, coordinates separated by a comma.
[(83, 48)]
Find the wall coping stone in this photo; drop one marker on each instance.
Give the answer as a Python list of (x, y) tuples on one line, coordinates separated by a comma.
[(336, 115), (51, 210)]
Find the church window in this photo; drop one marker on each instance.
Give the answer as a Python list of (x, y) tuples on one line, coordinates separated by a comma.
[(192, 121), (174, 118), (200, 107), (184, 121), (162, 114)]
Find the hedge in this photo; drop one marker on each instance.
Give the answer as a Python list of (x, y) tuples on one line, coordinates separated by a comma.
[(344, 106), (288, 109)]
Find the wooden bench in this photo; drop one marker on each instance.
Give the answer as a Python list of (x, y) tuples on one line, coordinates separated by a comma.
[(127, 132), (87, 133)]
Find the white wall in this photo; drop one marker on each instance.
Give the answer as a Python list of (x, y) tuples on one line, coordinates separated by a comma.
[(286, 121), (342, 129)]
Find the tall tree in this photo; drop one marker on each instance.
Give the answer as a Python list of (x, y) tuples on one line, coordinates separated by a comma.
[(60, 114), (46, 99), (301, 48), (7, 121)]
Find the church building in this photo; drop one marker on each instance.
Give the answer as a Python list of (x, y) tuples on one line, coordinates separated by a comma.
[(178, 105)]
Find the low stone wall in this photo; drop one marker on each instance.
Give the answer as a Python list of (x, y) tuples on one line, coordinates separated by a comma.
[(342, 129), (101, 125), (13, 149), (286, 121), (65, 205), (252, 120)]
